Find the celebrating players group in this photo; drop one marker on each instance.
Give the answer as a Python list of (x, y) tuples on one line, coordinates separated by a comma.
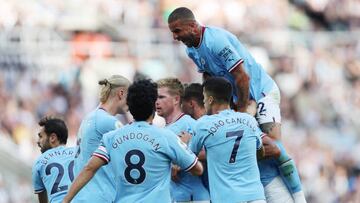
[(221, 143)]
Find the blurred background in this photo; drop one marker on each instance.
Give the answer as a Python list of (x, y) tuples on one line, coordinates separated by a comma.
[(52, 52)]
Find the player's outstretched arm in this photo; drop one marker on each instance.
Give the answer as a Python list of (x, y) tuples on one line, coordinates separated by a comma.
[(43, 197), (197, 169), (84, 177), (242, 83)]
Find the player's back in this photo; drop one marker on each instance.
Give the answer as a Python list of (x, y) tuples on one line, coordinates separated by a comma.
[(188, 187), (231, 140), (53, 171), (140, 155), (92, 128)]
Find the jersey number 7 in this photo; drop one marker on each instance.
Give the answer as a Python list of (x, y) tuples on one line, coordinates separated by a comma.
[(235, 149)]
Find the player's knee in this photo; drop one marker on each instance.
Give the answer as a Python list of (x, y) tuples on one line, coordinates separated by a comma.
[(272, 129)]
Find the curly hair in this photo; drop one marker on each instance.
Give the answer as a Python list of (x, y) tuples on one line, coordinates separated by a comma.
[(141, 98), (55, 125)]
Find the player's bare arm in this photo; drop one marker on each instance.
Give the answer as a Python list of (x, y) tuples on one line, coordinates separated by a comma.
[(270, 148), (42, 196), (272, 129), (260, 153), (84, 177), (197, 169), (242, 83)]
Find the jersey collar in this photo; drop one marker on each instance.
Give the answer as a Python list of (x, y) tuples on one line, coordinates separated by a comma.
[(202, 36)]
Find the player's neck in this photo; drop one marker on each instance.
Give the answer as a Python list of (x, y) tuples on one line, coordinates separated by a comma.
[(56, 144), (199, 112), (111, 109), (216, 108), (199, 34), (174, 116)]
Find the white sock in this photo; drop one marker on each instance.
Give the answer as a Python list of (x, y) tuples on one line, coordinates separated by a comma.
[(299, 197)]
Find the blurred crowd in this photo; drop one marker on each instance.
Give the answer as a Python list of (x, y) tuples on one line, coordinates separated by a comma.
[(311, 48)]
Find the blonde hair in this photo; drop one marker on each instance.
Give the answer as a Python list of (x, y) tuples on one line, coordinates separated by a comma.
[(108, 86), (173, 84)]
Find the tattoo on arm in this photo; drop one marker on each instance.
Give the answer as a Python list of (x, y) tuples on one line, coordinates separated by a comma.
[(242, 83), (267, 127)]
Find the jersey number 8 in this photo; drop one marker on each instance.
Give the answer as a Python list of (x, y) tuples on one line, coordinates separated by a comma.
[(137, 166)]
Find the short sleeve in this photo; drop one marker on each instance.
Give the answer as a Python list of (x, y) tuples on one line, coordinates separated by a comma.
[(180, 153), (102, 151), (197, 140), (225, 50), (36, 179)]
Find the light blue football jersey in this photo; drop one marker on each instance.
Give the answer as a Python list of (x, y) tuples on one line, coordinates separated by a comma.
[(101, 187), (140, 156), (53, 171), (189, 187), (220, 51), (231, 140)]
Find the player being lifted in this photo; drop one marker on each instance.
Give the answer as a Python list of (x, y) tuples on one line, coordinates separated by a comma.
[(168, 105), (53, 171), (217, 52), (98, 122), (140, 154)]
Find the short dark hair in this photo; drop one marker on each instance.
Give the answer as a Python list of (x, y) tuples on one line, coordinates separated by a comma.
[(141, 98), (219, 88), (181, 13), (194, 91), (55, 125)]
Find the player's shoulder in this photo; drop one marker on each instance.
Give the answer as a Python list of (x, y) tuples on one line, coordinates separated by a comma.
[(187, 119), (104, 121), (70, 149), (213, 32), (165, 134), (204, 120), (247, 117)]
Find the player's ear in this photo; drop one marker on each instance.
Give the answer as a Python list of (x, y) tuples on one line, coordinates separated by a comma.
[(177, 98), (211, 99), (52, 137), (120, 93), (192, 103)]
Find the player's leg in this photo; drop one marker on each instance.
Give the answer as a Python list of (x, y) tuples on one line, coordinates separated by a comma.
[(277, 192), (268, 116)]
